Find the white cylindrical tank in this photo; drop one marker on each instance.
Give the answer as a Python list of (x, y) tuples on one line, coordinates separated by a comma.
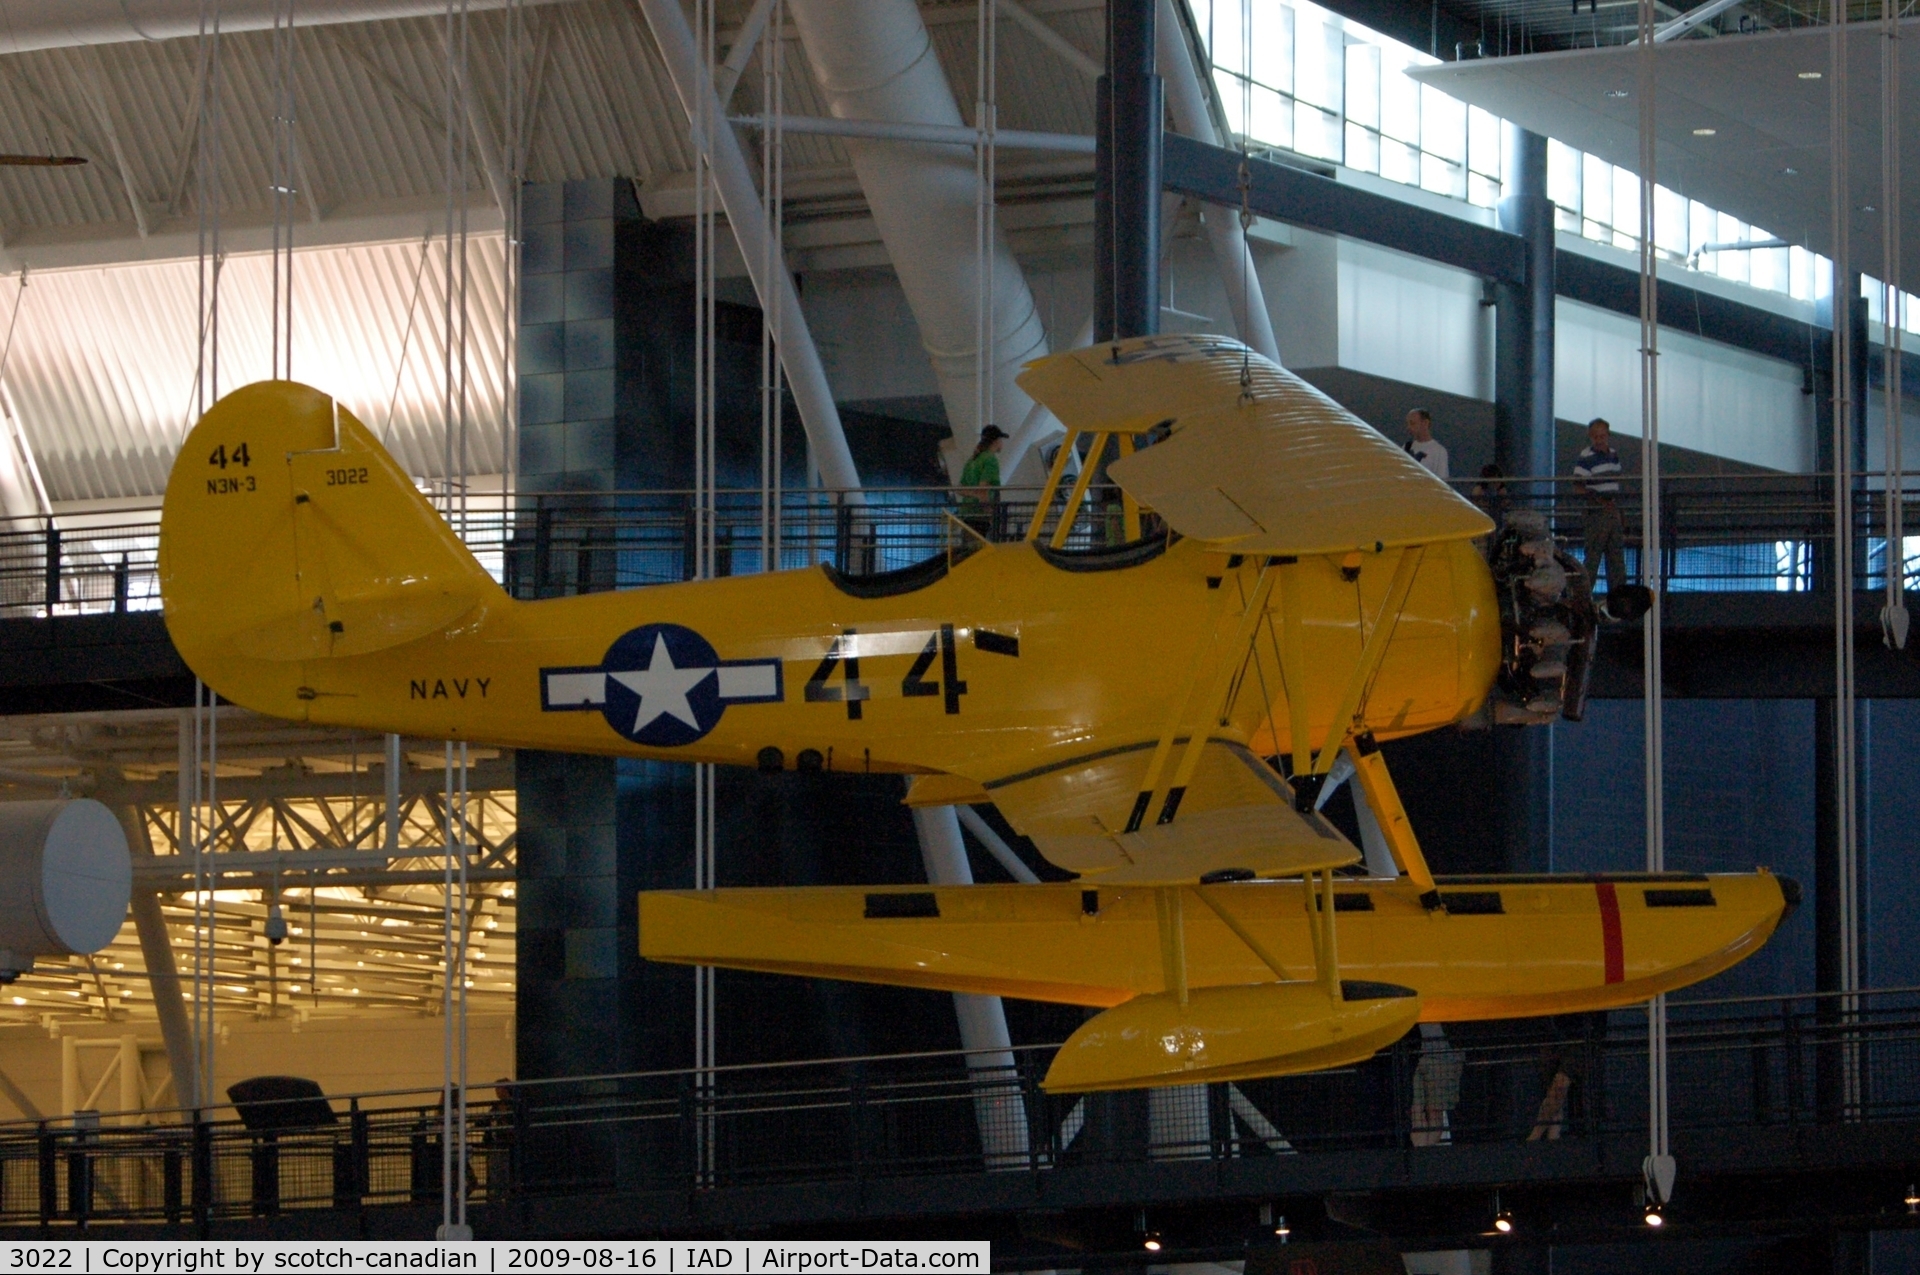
[(65, 880), (875, 61)]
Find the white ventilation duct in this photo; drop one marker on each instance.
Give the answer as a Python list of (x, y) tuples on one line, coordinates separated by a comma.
[(65, 880), (733, 181), (875, 61), (27, 25)]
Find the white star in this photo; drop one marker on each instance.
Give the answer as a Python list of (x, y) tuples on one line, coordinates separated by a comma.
[(662, 688)]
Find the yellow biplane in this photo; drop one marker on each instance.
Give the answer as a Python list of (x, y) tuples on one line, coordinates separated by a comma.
[(1312, 593)]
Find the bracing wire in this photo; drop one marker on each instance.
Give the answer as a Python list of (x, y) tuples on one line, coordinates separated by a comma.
[(406, 337)]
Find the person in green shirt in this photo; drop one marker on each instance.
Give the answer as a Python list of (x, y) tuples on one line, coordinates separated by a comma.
[(980, 482)]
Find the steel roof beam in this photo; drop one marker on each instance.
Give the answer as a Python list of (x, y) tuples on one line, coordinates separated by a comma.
[(1313, 202)]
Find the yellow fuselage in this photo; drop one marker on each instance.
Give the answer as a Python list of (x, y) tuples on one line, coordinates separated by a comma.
[(1100, 656)]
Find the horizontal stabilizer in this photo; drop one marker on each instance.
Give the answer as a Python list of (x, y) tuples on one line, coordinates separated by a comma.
[(290, 536), (1257, 460), (1231, 1033)]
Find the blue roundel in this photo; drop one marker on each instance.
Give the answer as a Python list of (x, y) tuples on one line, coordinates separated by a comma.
[(663, 686)]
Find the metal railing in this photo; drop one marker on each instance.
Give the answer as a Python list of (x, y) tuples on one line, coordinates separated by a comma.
[(1766, 533), (1733, 1064)]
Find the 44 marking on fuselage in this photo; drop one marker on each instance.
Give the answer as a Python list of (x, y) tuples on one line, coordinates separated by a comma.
[(664, 685), (837, 678)]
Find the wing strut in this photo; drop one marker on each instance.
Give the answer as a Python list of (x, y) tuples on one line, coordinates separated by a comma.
[(1173, 940), (1344, 731), (1096, 451), (1320, 910), (1241, 932), (1311, 769), (1197, 726), (1320, 925), (1370, 772)]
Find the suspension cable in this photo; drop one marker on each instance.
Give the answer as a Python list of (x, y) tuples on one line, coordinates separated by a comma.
[(773, 209), (284, 172), (1893, 314), (200, 814), (1657, 1173), (705, 123), (986, 125), (456, 339), (1845, 751)]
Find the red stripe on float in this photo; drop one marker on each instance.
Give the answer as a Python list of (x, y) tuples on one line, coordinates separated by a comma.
[(1616, 960)]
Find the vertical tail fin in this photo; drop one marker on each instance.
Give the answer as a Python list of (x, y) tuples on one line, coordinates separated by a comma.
[(289, 535)]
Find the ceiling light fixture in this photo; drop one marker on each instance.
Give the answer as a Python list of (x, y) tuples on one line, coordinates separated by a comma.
[(1705, 132), (1912, 1201), (1152, 1242), (1654, 1219), (1502, 1218), (1616, 93), (1809, 75)]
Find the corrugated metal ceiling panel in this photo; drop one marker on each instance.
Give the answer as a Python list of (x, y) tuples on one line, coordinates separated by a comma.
[(104, 363), (104, 359)]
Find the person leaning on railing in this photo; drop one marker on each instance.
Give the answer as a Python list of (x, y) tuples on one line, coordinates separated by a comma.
[(1597, 477), (980, 483)]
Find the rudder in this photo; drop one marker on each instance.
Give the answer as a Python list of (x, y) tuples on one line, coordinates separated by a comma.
[(290, 535)]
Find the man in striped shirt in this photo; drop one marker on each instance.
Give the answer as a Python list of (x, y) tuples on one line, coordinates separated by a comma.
[(1597, 477)]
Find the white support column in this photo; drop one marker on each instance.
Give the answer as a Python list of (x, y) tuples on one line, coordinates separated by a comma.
[(163, 973), (1002, 852), (805, 374), (875, 61), (1373, 842), (983, 1019), (1187, 102), (744, 41)]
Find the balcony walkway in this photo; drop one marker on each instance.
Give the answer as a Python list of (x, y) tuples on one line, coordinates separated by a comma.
[(1787, 1114), (1747, 573)]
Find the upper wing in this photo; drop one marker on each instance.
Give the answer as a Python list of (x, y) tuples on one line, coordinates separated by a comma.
[(1258, 459), (1236, 814)]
